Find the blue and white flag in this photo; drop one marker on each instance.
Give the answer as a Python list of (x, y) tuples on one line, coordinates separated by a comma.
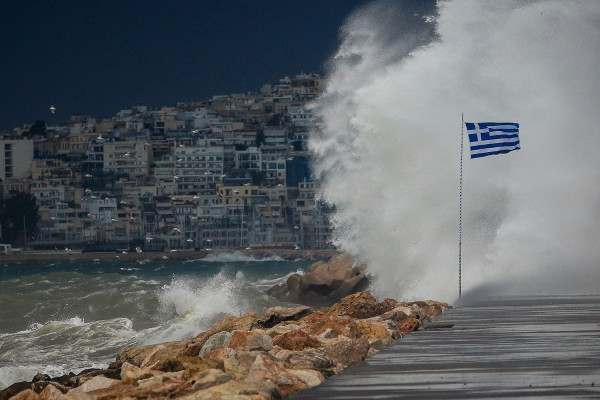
[(487, 138)]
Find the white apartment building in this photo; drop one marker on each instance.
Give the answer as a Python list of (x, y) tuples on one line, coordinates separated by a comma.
[(248, 159), (198, 169), (48, 194), (300, 115), (100, 209), (274, 170), (16, 156), (128, 157)]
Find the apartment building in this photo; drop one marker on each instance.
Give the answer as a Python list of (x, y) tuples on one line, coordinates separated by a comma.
[(131, 158), (48, 193), (198, 169), (16, 156), (100, 209), (249, 159), (307, 86)]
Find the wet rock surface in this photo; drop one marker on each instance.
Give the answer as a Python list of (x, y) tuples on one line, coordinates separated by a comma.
[(269, 356), (323, 283)]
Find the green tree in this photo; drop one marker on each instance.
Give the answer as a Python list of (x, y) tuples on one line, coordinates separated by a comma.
[(257, 177), (18, 217), (275, 120), (260, 138), (37, 129)]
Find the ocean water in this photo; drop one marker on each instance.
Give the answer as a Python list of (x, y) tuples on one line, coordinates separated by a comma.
[(67, 316)]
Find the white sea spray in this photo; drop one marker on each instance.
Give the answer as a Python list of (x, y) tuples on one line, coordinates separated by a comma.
[(387, 148)]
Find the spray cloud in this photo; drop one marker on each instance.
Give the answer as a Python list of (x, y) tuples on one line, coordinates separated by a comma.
[(387, 145)]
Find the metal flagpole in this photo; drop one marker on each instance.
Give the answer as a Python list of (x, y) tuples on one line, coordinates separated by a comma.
[(460, 208)]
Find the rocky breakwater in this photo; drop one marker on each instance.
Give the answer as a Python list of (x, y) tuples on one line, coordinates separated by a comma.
[(269, 356), (323, 283)]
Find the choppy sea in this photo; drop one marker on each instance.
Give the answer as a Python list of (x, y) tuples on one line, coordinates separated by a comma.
[(67, 316)]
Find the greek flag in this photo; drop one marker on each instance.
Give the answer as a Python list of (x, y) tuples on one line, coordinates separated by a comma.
[(487, 138)]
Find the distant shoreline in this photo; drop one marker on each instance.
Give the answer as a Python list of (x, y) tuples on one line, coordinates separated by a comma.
[(285, 254)]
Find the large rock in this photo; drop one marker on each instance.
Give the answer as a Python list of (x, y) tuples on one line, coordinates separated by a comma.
[(323, 283), (275, 315), (289, 381), (360, 305), (296, 340)]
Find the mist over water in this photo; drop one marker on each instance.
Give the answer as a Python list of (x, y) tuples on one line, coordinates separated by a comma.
[(387, 147)]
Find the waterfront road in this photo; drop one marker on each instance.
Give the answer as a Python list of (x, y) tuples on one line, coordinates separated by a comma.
[(518, 347)]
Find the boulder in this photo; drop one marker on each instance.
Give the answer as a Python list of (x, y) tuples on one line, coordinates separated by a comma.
[(14, 389), (346, 351), (132, 372), (310, 359), (296, 340), (268, 368), (228, 323), (360, 305), (323, 283), (51, 393), (319, 323), (96, 383), (250, 340), (40, 386), (376, 331), (146, 355), (27, 394), (209, 378), (215, 342), (275, 315)]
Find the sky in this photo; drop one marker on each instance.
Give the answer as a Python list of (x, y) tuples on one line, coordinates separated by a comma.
[(98, 57)]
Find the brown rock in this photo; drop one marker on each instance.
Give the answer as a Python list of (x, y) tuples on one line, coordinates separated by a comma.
[(39, 377), (346, 351), (132, 372), (267, 368), (391, 303), (275, 315), (319, 322), (229, 323), (208, 378), (281, 354), (51, 393), (375, 331), (238, 390), (14, 389), (192, 364), (250, 340), (296, 340), (26, 394), (281, 329), (308, 376), (96, 383), (215, 342), (401, 312), (408, 325), (146, 355), (160, 386), (360, 305), (427, 308), (78, 396), (310, 359), (323, 283)]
